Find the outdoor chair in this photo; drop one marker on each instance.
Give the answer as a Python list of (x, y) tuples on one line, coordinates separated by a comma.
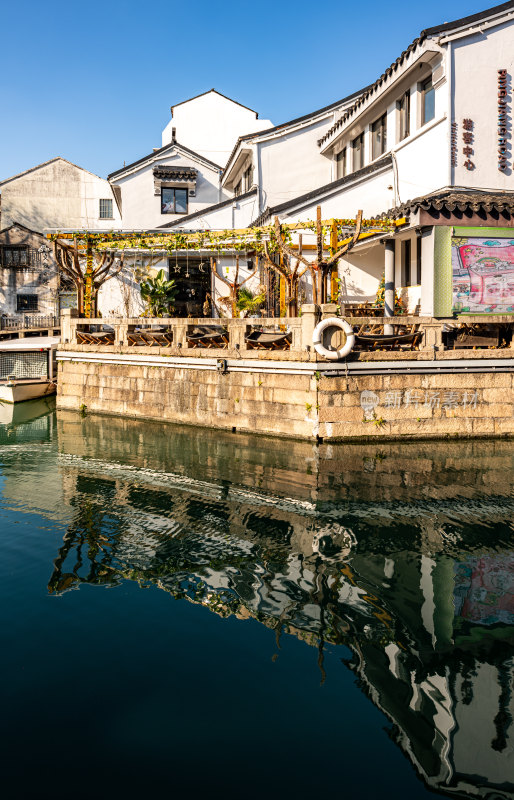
[(477, 336), (267, 340), (376, 339), (208, 336)]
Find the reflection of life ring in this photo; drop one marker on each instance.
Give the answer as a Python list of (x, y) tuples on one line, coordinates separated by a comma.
[(333, 322)]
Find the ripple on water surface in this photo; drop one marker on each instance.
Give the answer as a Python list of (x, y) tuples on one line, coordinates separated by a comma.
[(335, 603)]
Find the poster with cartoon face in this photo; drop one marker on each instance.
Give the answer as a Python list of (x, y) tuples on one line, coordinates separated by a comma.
[(483, 275)]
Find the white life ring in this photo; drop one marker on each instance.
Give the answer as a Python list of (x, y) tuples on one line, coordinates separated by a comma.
[(333, 322)]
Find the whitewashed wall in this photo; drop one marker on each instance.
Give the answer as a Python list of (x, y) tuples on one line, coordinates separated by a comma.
[(211, 124), (142, 207), (476, 61), (291, 164), (238, 213)]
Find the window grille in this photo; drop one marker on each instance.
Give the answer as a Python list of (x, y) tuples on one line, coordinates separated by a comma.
[(106, 209), (24, 365), (26, 302)]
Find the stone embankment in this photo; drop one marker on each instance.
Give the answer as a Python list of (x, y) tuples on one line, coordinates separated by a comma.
[(372, 395)]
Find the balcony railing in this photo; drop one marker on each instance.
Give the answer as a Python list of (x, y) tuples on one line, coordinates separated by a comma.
[(282, 338), (28, 322)]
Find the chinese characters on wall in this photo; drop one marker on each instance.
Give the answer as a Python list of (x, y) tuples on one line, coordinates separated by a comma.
[(467, 140)]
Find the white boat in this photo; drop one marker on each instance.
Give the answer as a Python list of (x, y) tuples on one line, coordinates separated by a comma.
[(28, 368)]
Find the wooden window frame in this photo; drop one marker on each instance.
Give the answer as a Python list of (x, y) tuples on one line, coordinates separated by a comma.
[(16, 249), (342, 158), (360, 139)]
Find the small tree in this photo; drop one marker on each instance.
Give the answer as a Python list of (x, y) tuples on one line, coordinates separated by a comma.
[(251, 301), (234, 286), (88, 269), (159, 294)]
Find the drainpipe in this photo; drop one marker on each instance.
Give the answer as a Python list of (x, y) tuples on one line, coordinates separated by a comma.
[(389, 284)]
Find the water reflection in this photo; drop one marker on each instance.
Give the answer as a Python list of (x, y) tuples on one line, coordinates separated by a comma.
[(403, 553)]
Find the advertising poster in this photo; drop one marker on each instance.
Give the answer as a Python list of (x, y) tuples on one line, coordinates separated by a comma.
[(483, 275)]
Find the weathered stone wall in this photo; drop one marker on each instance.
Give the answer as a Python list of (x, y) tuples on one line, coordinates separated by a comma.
[(417, 406), (262, 403), (307, 406)]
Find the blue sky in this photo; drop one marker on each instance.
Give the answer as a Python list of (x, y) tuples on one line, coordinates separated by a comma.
[(93, 82)]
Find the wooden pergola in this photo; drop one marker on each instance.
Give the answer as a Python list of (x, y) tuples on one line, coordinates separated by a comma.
[(90, 258)]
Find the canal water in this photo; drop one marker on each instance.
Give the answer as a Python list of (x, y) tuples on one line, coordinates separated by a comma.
[(194, 613)]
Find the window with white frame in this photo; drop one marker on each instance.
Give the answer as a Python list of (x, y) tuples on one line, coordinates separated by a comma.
[(403, 108), (358, 152), (106, 209), (427, 101), (379, 137), (341, 163)]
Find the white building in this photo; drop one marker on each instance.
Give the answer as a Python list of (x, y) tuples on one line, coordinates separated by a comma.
[(429, 144)]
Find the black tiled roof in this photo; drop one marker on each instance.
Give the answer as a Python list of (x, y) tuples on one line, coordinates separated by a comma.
[(458, 199), (401, 58), (162, 151), (175, 173)]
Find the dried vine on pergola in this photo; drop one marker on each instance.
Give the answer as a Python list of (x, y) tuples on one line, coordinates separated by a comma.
[(319, 268), (87, 276), (291, 275), (234, 285)]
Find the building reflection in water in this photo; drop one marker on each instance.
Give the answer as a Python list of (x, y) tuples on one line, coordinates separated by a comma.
[(401, 553)]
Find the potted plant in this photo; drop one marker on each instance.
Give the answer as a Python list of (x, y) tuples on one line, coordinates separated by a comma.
[(159, 294)]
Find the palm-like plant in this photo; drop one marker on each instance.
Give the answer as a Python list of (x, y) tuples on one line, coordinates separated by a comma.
[(159, 294), (250, 302)]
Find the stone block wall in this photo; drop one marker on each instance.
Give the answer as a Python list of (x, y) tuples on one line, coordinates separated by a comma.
[(257, 402), (309, 406), (416, 406)]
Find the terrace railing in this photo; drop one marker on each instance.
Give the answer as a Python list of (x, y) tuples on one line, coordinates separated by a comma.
[(270, 337), (28, 322)]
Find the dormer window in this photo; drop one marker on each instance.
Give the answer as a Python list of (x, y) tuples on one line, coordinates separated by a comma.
[(427, 101), (403, 106), (247, 178), (175, 185), (341, 164), (379, 137), (358, 152), (173, 200)]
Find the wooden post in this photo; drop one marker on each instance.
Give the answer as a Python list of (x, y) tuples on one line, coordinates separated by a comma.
[(89, 303), (334, 286), (319, 251)]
